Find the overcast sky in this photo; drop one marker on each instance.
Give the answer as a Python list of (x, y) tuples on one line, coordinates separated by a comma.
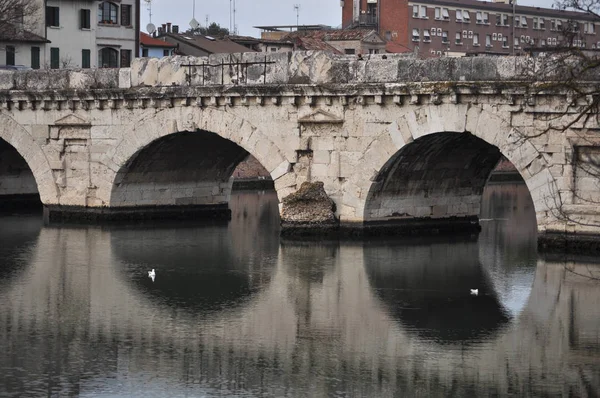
[(256, 12)]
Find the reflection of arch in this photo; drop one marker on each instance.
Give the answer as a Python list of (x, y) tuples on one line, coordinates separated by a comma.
[(426, 286), (16, 136), (484, 122), (230, 127)]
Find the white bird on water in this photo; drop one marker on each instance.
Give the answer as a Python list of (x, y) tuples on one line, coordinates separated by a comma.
[(152, 274), (474, 292)]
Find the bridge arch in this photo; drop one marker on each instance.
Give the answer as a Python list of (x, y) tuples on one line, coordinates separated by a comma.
[(437, 161), (21, 140), (222, 138)]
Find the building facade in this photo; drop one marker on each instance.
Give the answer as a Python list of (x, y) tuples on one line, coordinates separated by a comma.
[(87, 34), (151, 47), (449, 27), (25, 49)]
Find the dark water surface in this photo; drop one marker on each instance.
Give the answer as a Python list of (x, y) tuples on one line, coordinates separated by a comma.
[(235, 311)]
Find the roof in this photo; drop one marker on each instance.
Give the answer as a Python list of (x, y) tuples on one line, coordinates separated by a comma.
[(396, 48), (23, 36), (336, 35), (278, 28), (311, 43), (507, 8), (255, 40), (148, 41), (208, 45)]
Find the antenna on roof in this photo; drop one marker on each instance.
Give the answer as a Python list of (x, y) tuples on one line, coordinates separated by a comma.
[(297, 9), (149, 8)]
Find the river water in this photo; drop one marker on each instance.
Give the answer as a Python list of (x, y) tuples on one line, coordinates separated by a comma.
[(236, 311)]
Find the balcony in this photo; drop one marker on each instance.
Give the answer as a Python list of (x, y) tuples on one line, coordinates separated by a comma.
[(367, 20)]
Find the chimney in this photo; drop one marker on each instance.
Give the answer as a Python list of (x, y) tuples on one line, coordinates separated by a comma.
[(161, 30), (168, 27), (164, 28), (175, 29)]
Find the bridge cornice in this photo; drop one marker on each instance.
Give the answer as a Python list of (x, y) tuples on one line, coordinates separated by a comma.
[(502, 93)]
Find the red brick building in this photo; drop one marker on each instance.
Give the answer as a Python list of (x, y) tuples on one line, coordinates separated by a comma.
[(459, 27)]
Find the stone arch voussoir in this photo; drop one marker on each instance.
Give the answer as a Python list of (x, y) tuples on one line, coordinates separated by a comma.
[(20, 139), (139, 134), (483, 121)]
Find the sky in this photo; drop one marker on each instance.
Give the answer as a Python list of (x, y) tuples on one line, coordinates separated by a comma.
[(251, 13)]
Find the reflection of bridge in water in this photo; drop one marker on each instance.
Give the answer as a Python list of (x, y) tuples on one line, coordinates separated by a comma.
[(318, 312)]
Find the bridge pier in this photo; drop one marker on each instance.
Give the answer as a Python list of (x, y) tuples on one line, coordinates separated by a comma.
[(82, 214)]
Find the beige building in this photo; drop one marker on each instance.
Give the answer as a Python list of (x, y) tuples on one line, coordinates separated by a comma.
[(75, 34), (86, 34)]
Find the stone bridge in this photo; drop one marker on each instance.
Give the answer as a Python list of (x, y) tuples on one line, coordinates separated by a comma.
[(396, 142)]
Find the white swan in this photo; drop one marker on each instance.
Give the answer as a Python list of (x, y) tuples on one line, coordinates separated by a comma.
[(474, 292), (152, 274)]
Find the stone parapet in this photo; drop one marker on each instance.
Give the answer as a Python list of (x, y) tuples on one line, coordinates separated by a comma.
[(282, 68)]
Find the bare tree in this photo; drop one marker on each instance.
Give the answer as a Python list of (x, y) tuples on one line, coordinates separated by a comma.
[(17, 16), (571, 68)]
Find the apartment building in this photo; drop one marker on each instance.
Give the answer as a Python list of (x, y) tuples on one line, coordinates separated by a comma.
[(460, 27), (88, 34)]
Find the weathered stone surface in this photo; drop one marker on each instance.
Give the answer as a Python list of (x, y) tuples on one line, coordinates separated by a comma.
[(309, 205), (311, 67)]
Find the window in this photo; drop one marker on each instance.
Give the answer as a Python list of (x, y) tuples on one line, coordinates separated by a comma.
[(459, 17), (415, 35), (589, 28), (516, 43), (523, 22), (478, 17), (439, 31), (470, 34), (35, 58), (52, 17), (488, 40), (125, 58), (464, 34), (54, 58), (445, 14), (475, 39), (445, 37), (505, 42), (426, 36), (543, 42), (85, 58), (466, 16), (144, 52), (553, 24), (107, 13), (126, 15), (485, 18), (424, 12), (166, 52), (494, 36), (501, 20), (10, 55), (415, 12), (84, 19), (433, 31), (538, 23), (350, 51), (373, 51), (499, 36), (517, 21), (438, 13), (458, 38), (108, 58)]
